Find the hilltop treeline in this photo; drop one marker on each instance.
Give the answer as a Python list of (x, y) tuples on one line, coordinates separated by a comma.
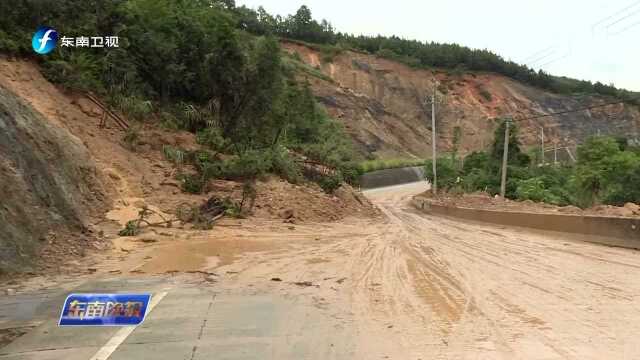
[(302, 26)]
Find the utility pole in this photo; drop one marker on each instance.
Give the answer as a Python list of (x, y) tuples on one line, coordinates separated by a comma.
[(434, 153), (433, 141), (505, 156), (555, 153), (542, 144), (570, 154)]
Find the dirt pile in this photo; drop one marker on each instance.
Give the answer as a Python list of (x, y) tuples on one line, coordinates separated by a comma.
[(382, 105), (295, 203), (487, 202)]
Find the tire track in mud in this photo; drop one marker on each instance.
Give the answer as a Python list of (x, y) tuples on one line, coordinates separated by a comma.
[(532, 290), (417, 286)]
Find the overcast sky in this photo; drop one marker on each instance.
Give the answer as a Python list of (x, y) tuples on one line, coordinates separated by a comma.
[(585, 39)]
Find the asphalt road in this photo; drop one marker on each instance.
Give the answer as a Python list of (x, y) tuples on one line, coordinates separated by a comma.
[(405, 286)]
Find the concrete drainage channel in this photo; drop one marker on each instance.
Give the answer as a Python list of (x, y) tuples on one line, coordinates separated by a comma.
[(613, 231)]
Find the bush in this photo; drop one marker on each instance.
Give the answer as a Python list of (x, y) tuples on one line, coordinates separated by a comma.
[(130, 229), (248, 165), (476, 160), (602, 170), (233, 209), (296, 56), (133, 106), (330, 183), (285, 166), (485, 94), (351, 173), (329, 53), (192, 183), (480, 180), (8, 45), (535, 189), (174, 155), (448, 175), (212, 138), (79, 71)]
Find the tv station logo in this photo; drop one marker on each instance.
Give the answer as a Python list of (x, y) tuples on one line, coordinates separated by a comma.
[(45, 40), (104, 309)]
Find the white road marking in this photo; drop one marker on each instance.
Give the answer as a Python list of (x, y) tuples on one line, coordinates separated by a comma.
[(122, 334)]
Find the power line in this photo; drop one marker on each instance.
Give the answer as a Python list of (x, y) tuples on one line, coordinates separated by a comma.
[(594, 25), (534, 55), (625, 29), (621, 19), (556, 59), (609, 21), (538, 59)]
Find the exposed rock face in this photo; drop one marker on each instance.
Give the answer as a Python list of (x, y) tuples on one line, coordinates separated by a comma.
[(47, 184), (382, 105)]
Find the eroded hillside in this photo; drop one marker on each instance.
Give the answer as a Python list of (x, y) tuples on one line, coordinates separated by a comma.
[(382, 105), (49, 185)]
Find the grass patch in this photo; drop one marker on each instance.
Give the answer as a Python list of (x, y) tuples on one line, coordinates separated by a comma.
[(375, 165), (298, 66)]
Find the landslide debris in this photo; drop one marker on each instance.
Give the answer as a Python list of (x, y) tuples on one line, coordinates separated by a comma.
[(75, 156)]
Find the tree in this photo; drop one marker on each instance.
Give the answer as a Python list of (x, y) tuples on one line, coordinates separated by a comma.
[(477, 160), (299, 25), (515, 154), (593, 168), (448, 175)]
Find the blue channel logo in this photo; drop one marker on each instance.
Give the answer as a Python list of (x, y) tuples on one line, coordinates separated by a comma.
[(44, 40)]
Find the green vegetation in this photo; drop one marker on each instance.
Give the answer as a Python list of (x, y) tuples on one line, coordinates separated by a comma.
[(130, 229), (448, 174), (294, 64), (198, 65), (607, 171), (486, 95), (375, 165)]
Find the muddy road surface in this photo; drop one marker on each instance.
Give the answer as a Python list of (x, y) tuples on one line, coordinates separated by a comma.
[(403, 286)]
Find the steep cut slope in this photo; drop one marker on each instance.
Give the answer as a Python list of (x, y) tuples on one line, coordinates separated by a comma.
[(48, 184), (382, 104)]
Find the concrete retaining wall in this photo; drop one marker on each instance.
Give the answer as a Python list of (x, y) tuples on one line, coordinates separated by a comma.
[(625, 229), (390, 177)]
